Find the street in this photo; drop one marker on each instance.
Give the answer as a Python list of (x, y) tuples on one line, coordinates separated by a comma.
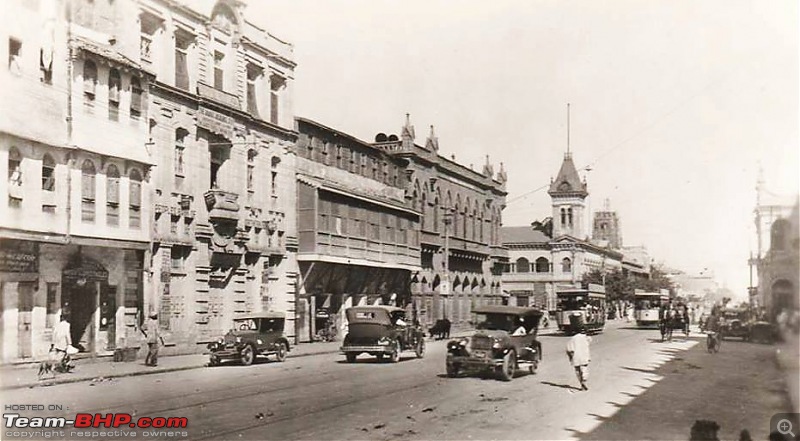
[(640, 388)]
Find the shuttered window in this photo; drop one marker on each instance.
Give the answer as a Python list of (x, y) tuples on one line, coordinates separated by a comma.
[(112, 196), (88, 189), (135, 199)]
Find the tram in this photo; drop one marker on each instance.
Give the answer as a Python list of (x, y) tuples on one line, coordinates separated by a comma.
[(647, 306), (581, 306)]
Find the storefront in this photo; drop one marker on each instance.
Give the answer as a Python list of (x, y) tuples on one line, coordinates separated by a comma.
[(99, 289), (327, 289)]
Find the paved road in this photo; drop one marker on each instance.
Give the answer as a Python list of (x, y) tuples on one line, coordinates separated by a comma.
[(322, 397)]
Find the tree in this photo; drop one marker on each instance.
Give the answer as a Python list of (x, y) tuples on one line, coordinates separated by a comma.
[(621, 287), (545, 226)]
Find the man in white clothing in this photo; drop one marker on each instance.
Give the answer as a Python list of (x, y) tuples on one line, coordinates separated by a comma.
[(578, 353)]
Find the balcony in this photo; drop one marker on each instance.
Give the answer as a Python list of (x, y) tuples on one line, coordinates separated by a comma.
[(222, 205), (219, 96)]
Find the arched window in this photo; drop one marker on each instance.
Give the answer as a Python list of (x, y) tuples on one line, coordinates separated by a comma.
[(14, 167), (566, 265), (136, 98), (48, 173), (542, 265), (563, 216), (88, 190), (135, 199), (112, 195), (569, 216), (778, 235), (114, 85), (523, 265), (436, 214), (89, 80)]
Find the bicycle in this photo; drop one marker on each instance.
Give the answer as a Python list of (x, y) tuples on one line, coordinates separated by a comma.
[(713, 342)]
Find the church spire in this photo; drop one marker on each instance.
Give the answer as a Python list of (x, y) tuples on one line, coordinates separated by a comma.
[(432, 143)]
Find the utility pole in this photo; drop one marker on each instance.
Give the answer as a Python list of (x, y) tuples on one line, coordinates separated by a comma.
[(446, 288)]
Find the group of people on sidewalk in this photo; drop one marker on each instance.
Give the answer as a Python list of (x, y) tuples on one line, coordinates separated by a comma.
[(62, 347)]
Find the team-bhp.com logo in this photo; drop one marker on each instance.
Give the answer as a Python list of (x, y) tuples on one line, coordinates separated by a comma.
[(88, 420)]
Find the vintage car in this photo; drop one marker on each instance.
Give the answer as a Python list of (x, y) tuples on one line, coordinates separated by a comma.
[(735, 322), (504, 341), (381, 331), (252, 335)]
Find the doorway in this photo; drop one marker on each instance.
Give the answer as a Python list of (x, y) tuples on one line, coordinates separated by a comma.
[(25, 292), (85, 290)]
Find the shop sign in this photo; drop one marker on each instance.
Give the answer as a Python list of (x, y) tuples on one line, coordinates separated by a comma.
[(215, 122), (88, 270), (17, 256)]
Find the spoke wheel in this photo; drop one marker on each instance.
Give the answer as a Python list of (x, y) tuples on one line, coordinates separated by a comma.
[(213, 361), (394, 357), (420, 349), (248, 355), (281, 354), (509, 366)]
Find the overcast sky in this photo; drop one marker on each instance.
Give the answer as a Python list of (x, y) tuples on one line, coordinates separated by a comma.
[(674, 103)]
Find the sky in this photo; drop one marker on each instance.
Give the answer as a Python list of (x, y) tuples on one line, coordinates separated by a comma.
[(675, 105)]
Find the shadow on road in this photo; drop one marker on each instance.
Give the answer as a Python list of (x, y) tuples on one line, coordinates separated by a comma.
[(562, 386), (696, 386)]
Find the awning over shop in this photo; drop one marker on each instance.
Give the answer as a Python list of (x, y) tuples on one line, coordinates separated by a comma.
[(325, 277)]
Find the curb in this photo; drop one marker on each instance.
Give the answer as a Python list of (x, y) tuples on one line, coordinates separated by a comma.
[(132, 374)]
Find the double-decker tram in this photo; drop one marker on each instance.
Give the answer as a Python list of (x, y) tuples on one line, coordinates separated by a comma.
[(646, 308), (577, 307)]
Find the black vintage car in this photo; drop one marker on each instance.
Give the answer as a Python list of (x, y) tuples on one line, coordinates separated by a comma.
[(381, 331), (252, 335), (504, 341), (735, 322)]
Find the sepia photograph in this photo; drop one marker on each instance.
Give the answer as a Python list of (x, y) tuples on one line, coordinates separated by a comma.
[(415, 221)]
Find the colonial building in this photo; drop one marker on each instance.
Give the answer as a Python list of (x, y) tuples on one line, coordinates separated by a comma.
[(540, 262), (358, 234), (75, 208), (461, 254), (221, 133), (778, 248)]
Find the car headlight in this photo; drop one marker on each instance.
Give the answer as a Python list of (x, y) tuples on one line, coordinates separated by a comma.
[(220, 341), (496, 344), (463, 342), (238, 339), (384, 341)]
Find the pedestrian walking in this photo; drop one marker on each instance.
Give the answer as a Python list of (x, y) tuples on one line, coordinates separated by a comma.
[(150, 331), (62, 348), (579, 356)]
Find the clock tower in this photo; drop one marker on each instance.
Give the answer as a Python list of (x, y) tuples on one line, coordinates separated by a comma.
[(568, 195)]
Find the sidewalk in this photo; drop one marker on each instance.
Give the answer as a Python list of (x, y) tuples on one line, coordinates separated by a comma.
[(26, 375), (788, 359)]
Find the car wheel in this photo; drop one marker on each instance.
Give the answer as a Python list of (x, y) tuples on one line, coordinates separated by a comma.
[(420, 349), (509, 366), (248, 355), (281, 354), (452, 369), (394, 356), (351, 358), (213, 360)]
